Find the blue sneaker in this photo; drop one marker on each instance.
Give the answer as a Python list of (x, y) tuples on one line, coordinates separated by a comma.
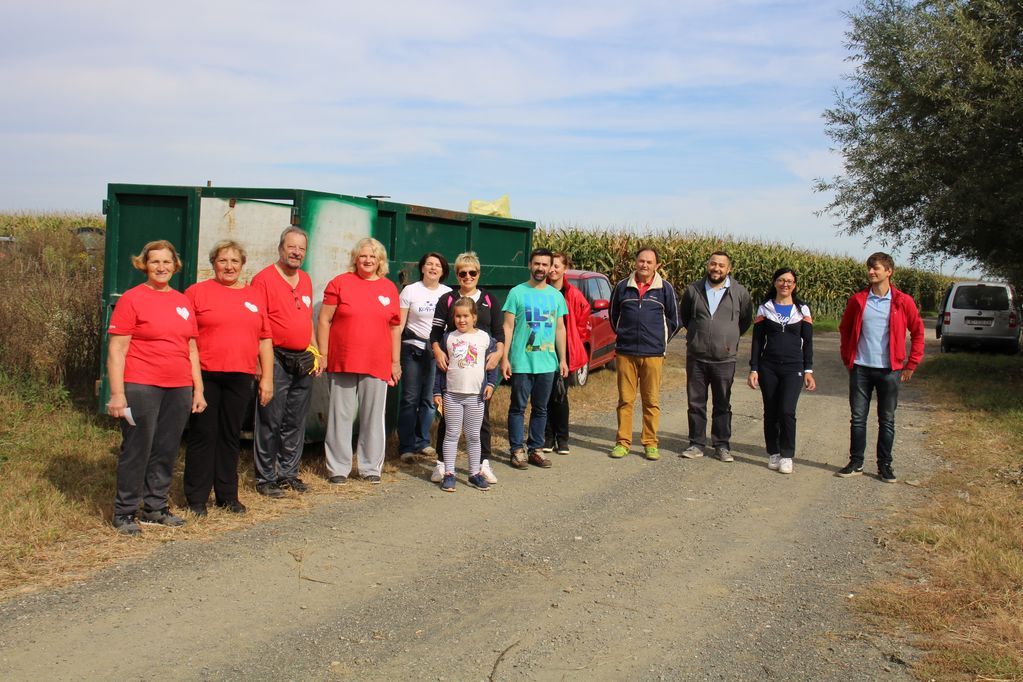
[(477, 481), (448, 484)]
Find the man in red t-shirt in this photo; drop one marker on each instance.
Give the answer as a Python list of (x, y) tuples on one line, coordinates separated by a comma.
[(280, 424)]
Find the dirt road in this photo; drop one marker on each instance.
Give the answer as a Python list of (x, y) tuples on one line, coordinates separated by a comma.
[(595, 569)]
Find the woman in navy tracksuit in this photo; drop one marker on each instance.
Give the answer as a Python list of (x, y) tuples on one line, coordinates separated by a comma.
[(781, 364)]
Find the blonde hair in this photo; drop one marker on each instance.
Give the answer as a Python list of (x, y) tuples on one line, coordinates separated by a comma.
[(140, 260), (467, 258), (378, 250), (225, 244)]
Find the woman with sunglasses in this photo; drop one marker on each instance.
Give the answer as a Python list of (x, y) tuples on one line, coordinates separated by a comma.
[(781, 365), (489, 319)]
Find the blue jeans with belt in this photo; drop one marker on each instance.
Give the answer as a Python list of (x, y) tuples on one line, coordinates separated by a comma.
[(415, 412), (863, 381)]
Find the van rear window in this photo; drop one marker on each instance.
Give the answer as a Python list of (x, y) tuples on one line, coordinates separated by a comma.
[(981, 298)]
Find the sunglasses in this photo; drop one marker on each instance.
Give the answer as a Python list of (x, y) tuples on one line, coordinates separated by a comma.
[(468, 273)]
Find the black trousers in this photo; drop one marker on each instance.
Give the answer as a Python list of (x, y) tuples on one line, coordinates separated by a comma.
[(718, 376), (149, 450), (211, 460), (780, 386), (484, 435), (280, 427), (557, 418)]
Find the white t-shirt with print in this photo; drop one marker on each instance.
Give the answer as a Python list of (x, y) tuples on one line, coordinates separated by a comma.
[(421, 303), (467, 361)]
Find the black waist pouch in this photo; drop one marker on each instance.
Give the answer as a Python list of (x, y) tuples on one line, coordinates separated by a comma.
[(295, 362)]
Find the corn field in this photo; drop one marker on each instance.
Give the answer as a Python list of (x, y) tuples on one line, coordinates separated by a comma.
[(825, 281)]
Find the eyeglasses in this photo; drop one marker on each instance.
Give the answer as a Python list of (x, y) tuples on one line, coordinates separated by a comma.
[(468, 273), (785, 282)]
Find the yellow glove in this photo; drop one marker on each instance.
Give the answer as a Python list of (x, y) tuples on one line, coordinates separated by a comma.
[(316, 358)]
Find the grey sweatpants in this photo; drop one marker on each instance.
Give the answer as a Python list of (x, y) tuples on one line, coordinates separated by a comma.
[(352, 394), (145, 465)]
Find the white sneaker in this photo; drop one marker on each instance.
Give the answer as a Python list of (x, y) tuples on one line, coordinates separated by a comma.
[(692, 452), (773, 462), (438, 473), (785, 465), (488, 474)]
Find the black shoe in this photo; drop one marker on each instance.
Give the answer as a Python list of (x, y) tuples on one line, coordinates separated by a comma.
[(337, 480), (295, 484), (125, 524), (886, 473), (161, 517), (234, 506), (198, 509), (371, 479), (850, 469), (269, 490)]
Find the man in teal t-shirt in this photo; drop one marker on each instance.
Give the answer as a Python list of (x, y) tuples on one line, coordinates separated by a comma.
[(534, 353)]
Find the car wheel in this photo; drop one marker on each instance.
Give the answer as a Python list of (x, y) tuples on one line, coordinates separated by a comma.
[(946, 347), (579, 376)]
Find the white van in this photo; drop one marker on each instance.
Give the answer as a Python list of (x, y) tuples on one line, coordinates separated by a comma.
[(979, 315)]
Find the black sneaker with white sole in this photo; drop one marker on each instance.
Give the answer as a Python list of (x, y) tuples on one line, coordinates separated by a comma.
[(161, 517), (850, 469), (886, 473), (126, 524)]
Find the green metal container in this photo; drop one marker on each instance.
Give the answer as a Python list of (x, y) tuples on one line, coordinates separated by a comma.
[(195, 218)]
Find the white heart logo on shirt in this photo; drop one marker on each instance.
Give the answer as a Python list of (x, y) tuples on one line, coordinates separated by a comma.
[(384, 300), (308, 301), (183, 312), (251, 306)]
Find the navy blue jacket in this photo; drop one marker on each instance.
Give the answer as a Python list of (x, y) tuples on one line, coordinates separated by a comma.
[(644, 325)]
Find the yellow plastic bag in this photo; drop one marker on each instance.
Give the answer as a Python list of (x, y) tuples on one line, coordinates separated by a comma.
[(500, 208)]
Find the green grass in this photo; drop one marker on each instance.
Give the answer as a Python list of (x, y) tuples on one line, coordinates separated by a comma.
[(965, 597)]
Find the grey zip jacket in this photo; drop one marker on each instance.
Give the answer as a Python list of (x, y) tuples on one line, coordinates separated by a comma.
[(715, 339)]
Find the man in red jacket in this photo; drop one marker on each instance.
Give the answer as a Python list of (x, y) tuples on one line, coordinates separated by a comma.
[(873, 346), (577, 328)]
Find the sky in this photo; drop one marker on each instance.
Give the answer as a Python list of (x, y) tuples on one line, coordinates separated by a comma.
[(698, 115)]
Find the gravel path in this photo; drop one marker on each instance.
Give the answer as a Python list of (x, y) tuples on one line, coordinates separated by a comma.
[(595, 569)]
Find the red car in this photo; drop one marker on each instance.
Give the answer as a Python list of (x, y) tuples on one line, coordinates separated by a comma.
[(601, 346)]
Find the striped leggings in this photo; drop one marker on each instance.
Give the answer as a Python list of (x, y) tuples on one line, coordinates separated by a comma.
[(463, 413)]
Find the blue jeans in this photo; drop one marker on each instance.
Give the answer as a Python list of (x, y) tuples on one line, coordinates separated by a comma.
[(862, 382), (415, 413), (534, 388)]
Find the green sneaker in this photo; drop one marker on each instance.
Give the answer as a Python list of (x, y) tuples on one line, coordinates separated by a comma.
[(652, 453), (619, 451)]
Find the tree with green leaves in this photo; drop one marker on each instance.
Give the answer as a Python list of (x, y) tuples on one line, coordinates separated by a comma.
[(931, 130)]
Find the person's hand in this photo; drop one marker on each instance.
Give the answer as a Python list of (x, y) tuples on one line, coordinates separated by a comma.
[(809, 382), (907, 374), (321, 366), (442, 360), (266, 390), (437, 400), (395, 372), (753, 380), (488, 392), (493, 360), (198, 402), (563, 368), (117, 405), (506, 369)]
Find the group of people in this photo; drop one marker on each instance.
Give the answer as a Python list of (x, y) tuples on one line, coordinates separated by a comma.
[(197, 359), (716, 311)]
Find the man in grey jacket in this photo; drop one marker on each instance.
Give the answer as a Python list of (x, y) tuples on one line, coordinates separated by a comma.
[(715, 312)]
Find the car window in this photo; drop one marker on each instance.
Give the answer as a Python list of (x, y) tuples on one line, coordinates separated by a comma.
[(603, 288), (981, 298)]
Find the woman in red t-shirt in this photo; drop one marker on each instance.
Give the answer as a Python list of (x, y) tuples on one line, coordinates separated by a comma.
[(359, 334), (155, 381), (233, 334)]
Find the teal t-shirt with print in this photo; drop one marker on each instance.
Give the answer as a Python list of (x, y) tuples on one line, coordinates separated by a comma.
[(536, 319)]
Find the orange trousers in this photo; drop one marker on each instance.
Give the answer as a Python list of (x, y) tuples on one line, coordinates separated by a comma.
[(639, 375)]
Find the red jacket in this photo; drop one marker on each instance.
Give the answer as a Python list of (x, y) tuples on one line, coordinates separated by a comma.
[(904, 317), (577, 326)]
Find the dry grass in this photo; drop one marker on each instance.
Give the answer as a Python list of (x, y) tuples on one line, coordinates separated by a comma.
[(963, 594)]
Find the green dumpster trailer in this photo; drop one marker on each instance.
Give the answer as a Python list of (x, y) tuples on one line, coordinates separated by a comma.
[(195, 218)]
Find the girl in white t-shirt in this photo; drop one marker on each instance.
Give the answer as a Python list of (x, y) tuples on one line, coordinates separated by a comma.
[(463, 390), (417, 303)]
